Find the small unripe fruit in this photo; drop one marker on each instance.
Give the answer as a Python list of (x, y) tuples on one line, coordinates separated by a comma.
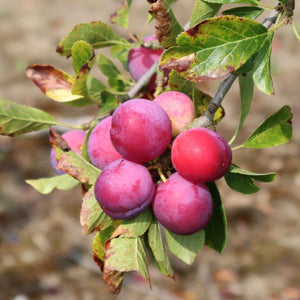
[(201, 155), (124, 189), (100, 148), (141, 130), (181, 206), (179, 107), (75, 140)]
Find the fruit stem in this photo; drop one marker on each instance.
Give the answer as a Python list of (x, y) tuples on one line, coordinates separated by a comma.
[(161, 175)]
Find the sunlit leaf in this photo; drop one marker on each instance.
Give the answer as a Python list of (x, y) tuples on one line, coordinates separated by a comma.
[(107, 67), (185, 247), (17, 119), (47, 185), (250, 12), (230, 1), (121, 16), (214, 48), (109, 102)]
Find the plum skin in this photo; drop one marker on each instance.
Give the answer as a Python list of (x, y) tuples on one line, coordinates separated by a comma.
[(75, 139), (181, 206), (141, 130), (201, 155), (179, 107), (124, 189), (100, 148)]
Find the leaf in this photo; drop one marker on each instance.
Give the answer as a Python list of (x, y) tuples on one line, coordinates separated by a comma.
[(266, 177), (216, 229), (139, 225), (96, 33), (54, 84), (241, 183), (231, 1), (250, 12), (113, 280), (107, 67), (246, 95), (116, 85), (185, 247), (158, 249), (214, 48), (262, 73), (121, 53), (110, 102), (203, 10), (120, 17), (17, 119), (47, 185), (167, 27), (94, 88), (275, 130), (125, 254), (92, 217)]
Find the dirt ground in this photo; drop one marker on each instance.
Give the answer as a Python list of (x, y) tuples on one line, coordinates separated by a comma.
[(44, 254)]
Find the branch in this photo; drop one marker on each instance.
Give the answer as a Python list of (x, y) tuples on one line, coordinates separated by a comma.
[(206, 120)]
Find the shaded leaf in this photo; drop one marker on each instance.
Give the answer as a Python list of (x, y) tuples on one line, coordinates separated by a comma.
[(47, 185), (107, 67), (125, 254), (167, 27), (109, 102), (250, 12), (214, 48), (185, 247), (230, 1), (121, 53), (262, 67), (54, 84), (241, 183), (96, 33), (17, 119), (92, 217), (139, 225), (275, 130), (158, 249), (216, 229), (120, 17), (94, 88), (203, 10)]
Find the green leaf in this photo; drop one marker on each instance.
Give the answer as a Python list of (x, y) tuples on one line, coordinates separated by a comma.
[(250, 12), (96, 33), (94, 88), (116, 85), (241, 183), (246, 95), (107, 67), (110, 102), (214, 48), (166, 23), (231, 1), (17, 119), (185, 247), (73, 164), (100, 240), (120, 17), (137, 226), (47, 185), (121, 53), (125, 254), (158, 249), (92, 217), (203, 10), (275, 130), (262, 69), (216, 229), (266, 177)]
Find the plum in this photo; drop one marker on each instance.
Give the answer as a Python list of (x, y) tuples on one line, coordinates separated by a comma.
[(201, 155), (141, 130), (100, 148), (179, 107), (181, 206), (75, 140), (124, 189)]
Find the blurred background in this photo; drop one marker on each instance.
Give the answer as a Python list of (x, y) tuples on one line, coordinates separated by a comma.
[(44, 254)]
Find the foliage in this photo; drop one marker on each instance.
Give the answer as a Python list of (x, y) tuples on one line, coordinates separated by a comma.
[(213, 46)]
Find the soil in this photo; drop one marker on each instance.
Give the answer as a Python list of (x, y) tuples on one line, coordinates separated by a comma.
[(45, 255)]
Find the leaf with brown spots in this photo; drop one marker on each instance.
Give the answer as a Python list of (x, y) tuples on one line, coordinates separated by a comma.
[(113, 280), (214, 48), (120, 17)]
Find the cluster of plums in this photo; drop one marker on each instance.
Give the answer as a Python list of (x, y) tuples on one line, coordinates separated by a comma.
[(131, 142), (141, 131)]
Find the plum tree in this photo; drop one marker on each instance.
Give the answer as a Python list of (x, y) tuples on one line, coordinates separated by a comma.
[(100, 148), (179, 107), (141, 130), (124, 189), (75, 140), (181, 206), (201, 155)]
